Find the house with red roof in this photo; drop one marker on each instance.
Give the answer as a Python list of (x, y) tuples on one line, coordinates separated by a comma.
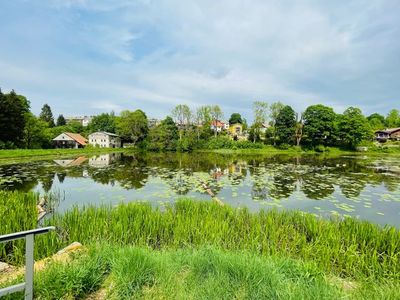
[(70, 140)]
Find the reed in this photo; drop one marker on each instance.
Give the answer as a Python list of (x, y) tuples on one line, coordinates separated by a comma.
[(345, 247), (18, 212)]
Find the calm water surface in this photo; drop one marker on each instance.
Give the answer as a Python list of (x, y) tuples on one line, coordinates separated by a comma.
[(361, 187)]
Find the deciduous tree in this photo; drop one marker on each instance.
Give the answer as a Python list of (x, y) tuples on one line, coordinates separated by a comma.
[(285, 125), (133, 126)]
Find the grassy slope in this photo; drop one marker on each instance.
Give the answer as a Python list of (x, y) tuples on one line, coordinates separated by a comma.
[(205, 273)]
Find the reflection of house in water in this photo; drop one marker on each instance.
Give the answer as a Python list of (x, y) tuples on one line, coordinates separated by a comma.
[(103, 160), (70, 162)]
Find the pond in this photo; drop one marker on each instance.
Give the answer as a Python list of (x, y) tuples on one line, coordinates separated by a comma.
[(356, 186)]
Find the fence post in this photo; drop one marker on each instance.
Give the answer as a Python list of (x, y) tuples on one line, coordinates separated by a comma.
[(29, 265)]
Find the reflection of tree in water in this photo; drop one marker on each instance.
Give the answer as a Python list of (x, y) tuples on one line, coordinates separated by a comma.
[(179, 182), (351, 186), (47, 181), (284, 185), (317, 185), (61, 176)]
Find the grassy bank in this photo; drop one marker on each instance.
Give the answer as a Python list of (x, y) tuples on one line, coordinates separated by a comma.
[(346, 248), (24, 153), (205, 273)]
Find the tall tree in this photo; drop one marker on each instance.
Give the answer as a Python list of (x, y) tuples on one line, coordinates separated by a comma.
[(285, 125), (133, 126), (353, 127), (376, 121), (103, 122), (274, 110), (35, 132), (299, 129), (260, 110), (319, 124), (46, 115), (61, 121), (13, 110), (182, 115), (235, 118), (216, 114), (393, 119), (203, 115), (164, 137)]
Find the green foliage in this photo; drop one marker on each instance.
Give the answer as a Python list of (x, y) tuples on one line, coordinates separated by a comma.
[(222, 142), (132, 126), (46, 115), (319, 125), (285, 125), (376, 121), (393, 119), (235, 118), (61, 121), (13, 109), (103, 122), (35, 133), (353, 127), (163, 137)]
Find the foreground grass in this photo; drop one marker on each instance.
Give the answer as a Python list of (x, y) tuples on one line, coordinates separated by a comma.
[(346, 248), (108, 272), (23, 153)]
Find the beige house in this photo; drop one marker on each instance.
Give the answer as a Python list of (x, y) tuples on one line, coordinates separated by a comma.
[(104, 140), (69, 140)]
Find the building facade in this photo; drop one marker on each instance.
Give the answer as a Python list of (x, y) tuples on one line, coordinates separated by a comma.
[(69, 140), (83, 120), (104, 140), (388, 134)]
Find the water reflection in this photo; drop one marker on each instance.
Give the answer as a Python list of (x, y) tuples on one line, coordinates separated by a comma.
[(269, 180)]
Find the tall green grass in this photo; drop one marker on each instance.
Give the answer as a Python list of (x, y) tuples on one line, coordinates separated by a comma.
[(18, 212), (345, 247)]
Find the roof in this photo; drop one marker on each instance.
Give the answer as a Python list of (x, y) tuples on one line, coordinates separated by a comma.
[(389, 130), (77, 138), (105, 132), (217, 123)]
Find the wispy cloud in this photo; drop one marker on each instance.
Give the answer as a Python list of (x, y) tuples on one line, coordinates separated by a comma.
[(154, 54)]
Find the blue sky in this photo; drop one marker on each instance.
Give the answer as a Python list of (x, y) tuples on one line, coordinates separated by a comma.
[(92, 56)]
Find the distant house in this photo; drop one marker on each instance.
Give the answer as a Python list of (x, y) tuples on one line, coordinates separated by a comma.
[(388, 134), (152, 122), (83, 120), (236, 130), (104, 139), (218, 125), (69, 140)]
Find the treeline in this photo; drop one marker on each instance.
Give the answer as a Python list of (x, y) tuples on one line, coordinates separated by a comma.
[(187, 129)]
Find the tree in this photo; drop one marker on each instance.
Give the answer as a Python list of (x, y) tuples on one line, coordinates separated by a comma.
[(216, 114), (47, 116), (163, 137), (260, 110), (61, 121), (319, 124), (235, 118), (393, 119), (274, 110), (103, 122), (182, 115), (13, 110), (203, 115), (133, 126), (285, 125), (353, 127), (376, 121), (35, 132), (299, 129)]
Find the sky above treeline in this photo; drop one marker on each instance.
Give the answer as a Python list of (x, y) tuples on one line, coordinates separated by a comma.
[(84, 57)]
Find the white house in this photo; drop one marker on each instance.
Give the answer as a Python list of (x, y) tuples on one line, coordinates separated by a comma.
[(69, 140), (104, 140)]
